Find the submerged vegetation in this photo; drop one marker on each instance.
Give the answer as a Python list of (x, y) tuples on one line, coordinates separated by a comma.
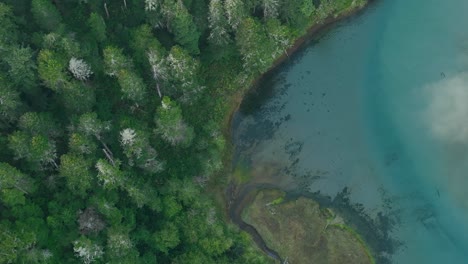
[(111, 116)]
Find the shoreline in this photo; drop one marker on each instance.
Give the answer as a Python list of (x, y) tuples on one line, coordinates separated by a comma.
[(236, 196), (312, 32)]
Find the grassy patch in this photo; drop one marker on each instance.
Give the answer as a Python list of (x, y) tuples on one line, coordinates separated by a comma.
[(303, 232)]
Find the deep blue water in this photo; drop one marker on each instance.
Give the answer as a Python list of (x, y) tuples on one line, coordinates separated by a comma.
[(379, 104)]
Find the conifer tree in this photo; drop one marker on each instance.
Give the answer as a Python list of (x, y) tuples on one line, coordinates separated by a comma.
[(219, 25), (46, 14), (181, 24), (170, 124)]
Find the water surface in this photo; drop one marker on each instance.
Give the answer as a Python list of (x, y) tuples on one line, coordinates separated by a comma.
[(379, 105)]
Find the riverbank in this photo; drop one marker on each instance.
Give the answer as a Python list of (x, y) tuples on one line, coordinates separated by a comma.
[(235, 191)]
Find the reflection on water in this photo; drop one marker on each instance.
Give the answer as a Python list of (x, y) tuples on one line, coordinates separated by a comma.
[(377, 107)]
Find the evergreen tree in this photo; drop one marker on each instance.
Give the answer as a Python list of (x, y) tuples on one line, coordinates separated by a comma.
[(236, 12), (52, 70), (183, 70), (21, 67), (98, 27), (254, 45), (181, 24), (76, 171), (139, 152), (46, 14), (14, 185), (270, 8), (132, 86), (8, 30), (87, 250), (170, 124), (219, 34), (10, 102)]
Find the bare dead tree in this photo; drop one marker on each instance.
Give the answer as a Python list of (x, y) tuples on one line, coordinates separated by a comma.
[(107, 11)]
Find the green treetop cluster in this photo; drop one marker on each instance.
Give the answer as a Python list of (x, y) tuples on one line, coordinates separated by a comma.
[(110, 122)]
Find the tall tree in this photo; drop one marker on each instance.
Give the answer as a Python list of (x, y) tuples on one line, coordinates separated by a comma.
[(183, 70), (118, 65), (46, 14), (39, 151), (254, 45), (236, 12), (98, 26), (14, 184), (10, 102), (159, 67), (270, 8), (76, 170), (115, 61), (87, 250), (120, 247), (52, 69), (170, 124), (41, 123), (8, 30), (218, 24), (138, 150), (78, 98), (109, 174), (181, 24), (132, 86), (21, 67), (80, 69)]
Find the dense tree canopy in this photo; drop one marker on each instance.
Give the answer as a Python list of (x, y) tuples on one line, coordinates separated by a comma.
[(111, 117)]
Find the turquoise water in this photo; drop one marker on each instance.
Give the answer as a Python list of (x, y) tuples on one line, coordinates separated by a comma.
[(379, 105)]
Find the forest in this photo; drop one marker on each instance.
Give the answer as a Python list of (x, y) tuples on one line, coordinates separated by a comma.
[(112, 115)]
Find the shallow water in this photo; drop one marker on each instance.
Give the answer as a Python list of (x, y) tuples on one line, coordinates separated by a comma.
[(379, 104)]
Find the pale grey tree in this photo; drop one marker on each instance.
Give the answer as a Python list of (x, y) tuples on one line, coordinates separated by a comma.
[(80, 69)]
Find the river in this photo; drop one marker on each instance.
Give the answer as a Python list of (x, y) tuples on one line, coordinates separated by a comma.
[(378, 105)]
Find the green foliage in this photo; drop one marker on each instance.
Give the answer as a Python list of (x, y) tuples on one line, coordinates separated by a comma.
[(39, 151), (254, 45), (166, 238), (109, 174), (120, 247), (45, 14), (132, 86), (52, 69), (219, 25), (114, 61), (110, 148), (143, 40), (170, 125), (181, 24), (76, 170), (80, 144), (21, 67), (13, 242), (98, 27), (39, 123), (297, 13), (236, 12), (10, 102), (78, 98), (8, 30), (14, 185), (183, 74)]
